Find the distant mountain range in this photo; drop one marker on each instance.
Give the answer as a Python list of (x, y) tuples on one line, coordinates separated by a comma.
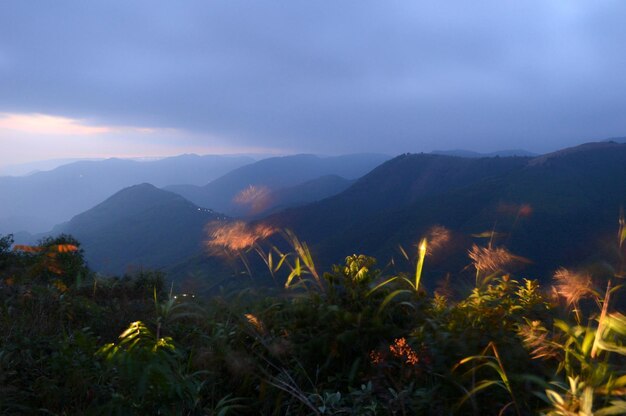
[(37, 202), (249, 190), (144, 226), (135, 226), (558, 209), (29, 168)]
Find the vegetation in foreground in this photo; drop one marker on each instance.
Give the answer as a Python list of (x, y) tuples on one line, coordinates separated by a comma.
[(353, 340)]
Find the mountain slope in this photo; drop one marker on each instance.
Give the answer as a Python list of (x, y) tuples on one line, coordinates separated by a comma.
[(37, 202), (140, 226), (551, 209), (556, 210), (395, 184), (307, 192), (232, 192), (349, 221)]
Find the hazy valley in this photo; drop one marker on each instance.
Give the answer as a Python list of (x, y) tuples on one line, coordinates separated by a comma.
[(556, 210)]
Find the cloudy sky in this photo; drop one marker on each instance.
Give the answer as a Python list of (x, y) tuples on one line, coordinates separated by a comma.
[(148, 78)]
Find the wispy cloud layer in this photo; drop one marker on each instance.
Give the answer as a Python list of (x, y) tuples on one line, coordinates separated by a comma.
[(49, 125), (36, 137), (322, 76)]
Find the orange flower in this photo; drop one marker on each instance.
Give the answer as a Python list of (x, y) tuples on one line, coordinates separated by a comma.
[(376, 357), (401, 349)]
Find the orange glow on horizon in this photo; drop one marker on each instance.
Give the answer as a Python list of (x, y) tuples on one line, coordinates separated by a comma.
[(49, 125), (34, 137)]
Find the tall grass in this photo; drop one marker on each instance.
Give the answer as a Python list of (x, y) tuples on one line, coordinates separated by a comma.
[(351, 340)]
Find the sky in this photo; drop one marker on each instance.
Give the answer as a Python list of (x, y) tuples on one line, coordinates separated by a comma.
[(153, 78)]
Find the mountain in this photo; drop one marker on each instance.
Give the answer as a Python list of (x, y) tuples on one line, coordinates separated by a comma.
[(559, 209), (29, 168), (236, 192), (351, 221), (470, 153), (144, 226), (401, 182), (140, 226), (36, 202), (304, 193)]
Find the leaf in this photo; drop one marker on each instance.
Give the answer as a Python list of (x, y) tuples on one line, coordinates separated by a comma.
[(408, 282), (472, 358), (406, 256), (588, 342), (297, 271), (420, 263), (133, 327), (563, 326), (481, 385), (618, 407), (620, 381), (378, 286), (408, 305), (555, 397), (617, 323), (390, 297), (283, 257)]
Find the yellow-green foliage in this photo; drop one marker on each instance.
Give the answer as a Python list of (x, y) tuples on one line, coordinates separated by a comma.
[(354, 340)]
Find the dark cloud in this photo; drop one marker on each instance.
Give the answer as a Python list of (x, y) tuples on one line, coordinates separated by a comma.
[(326, 76)]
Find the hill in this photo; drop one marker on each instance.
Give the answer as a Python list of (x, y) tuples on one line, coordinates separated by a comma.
[(236, 192), (37, 202), (351, 221), (140, 226), (557, 210)]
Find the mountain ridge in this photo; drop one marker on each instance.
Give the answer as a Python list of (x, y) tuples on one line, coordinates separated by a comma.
[(550, 209), (272, 174), (39, 201), (575, 192)]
